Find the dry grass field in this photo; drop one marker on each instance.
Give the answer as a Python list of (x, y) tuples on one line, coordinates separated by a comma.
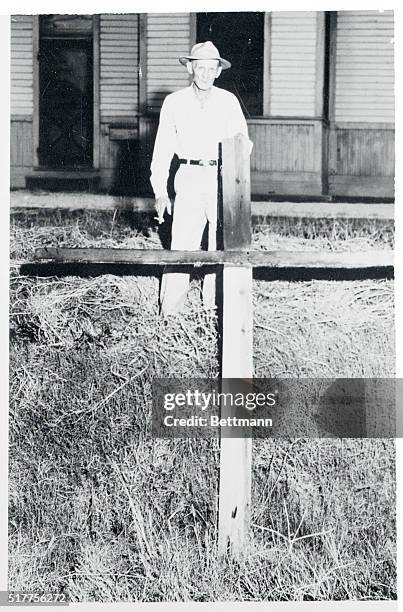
[(101, 510)]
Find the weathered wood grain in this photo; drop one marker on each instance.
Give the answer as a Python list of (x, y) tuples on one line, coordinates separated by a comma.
[(236, 193), (237, 349), (261, 259)]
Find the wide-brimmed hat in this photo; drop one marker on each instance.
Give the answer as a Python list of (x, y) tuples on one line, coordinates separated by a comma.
[(205, 51)]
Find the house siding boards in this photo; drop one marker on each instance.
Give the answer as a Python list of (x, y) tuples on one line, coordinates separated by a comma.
[(293, 64), (168, 37), (294, 151), (364, 67), (21, 97), (285, 157), (361, 139), (22, 93), (119, 66)]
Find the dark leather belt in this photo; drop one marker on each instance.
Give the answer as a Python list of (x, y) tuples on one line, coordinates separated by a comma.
[(199, 162)]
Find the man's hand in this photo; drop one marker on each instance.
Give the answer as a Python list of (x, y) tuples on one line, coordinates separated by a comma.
[(160, 205)]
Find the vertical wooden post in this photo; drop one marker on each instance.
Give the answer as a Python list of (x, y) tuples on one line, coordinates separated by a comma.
[(35, 84), (331, 161), (237, 224), (143, 64), (237, 349), (96, 90), (267, 64)]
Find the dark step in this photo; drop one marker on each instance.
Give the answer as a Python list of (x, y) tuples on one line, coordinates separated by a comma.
[(63, 180)]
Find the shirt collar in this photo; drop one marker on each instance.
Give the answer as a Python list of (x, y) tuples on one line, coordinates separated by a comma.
[(194, 95)]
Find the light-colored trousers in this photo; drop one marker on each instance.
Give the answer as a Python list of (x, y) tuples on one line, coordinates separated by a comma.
[(195, 205)]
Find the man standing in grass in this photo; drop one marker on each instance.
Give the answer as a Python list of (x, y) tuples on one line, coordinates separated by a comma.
[(192, 123)]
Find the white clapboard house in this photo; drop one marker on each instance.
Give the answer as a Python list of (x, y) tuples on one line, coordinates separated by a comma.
[(317, 89)]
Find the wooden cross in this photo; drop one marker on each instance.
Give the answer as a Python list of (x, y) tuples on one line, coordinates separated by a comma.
[(237, 314), (237, 346)]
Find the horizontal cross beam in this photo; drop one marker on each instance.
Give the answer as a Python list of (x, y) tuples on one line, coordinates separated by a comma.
[(257, 259)]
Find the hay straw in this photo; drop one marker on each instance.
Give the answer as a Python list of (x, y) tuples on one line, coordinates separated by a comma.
[(317, 328), (99, 507)]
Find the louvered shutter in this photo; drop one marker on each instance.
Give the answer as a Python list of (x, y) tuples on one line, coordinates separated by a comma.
[(168, 37), (119, 65), (364, 66), (292, 63), (22, 95)]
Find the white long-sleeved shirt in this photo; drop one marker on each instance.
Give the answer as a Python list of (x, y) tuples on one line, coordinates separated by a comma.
[(192, 131)]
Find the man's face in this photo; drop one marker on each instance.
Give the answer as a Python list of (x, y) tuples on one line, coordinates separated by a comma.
[(205, 73)]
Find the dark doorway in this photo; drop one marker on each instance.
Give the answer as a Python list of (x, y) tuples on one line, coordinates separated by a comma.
[(66, 101), (240, 39)]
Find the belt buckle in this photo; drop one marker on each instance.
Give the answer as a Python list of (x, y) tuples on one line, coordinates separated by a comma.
[(206, 162)]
